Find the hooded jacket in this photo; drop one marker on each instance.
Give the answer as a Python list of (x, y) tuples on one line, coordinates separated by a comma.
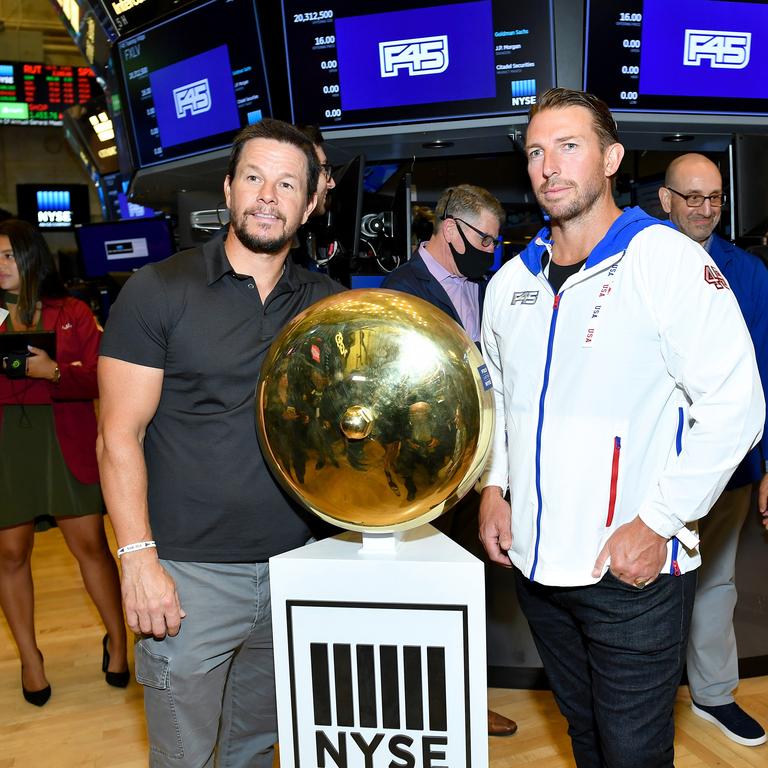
[(633, 391)]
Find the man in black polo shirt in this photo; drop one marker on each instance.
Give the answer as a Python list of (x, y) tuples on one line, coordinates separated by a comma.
[(195, 510)]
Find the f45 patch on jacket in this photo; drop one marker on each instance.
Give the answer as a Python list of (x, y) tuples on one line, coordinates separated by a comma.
[(525, 297)]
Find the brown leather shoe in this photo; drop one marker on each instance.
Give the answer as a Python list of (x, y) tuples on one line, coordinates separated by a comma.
[(498, 725)]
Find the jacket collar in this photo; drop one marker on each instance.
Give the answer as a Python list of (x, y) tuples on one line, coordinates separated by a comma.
[(615, 240)]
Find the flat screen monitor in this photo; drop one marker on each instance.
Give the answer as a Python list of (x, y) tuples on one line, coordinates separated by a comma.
[(123, 246), (32, 93), (346, 205), (53, 207), (700, 56), (113, 194), (386, 62), (192, 81), (109, 188), (376, 176), (402, 218)]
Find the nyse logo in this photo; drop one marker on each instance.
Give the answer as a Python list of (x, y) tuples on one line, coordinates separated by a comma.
[(357, 710), (379, 686), (523, 93), (723, 50), (192, 98), (417, 56)]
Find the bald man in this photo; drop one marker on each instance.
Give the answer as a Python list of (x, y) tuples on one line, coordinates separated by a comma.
[(693, 197)]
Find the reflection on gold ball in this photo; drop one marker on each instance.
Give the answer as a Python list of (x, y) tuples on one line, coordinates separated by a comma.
[(374, 410)]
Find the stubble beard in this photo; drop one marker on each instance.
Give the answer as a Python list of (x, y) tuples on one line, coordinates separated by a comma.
[(581, 204), (258, 244)]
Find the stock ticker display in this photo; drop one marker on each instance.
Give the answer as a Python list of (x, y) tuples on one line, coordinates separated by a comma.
[(191, 83), (399, 64), (37, 94), (707, 56)]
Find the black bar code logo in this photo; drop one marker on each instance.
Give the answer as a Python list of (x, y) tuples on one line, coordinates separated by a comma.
[(384, 691), (378, 685)]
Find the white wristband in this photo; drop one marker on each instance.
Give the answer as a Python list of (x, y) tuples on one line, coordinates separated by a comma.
[(135, 547)]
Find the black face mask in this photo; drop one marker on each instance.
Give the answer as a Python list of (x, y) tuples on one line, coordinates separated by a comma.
[(474, 262)]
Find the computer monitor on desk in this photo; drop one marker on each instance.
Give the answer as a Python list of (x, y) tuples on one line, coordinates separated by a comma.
[(123, 246)]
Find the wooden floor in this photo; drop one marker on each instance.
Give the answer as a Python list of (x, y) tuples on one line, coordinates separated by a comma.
[(87, 724)]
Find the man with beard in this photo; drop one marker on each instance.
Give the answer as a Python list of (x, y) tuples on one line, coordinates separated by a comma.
[(449, 271), (626, 393), (693, 197), (195, 510)]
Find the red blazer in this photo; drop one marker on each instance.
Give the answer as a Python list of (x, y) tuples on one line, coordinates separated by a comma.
[(77, 349)]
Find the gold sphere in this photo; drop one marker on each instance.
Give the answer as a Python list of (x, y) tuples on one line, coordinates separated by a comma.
[(357, 422), (374, 410)]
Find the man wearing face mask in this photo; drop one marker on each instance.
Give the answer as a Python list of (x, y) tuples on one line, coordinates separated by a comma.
[(449, 271)]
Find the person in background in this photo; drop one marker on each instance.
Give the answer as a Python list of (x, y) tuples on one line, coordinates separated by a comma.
[(693, 198), (47, 443), (196, 511), (626, 393), (449, 271), (325, 182)]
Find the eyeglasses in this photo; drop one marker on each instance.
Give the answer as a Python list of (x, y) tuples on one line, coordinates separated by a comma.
[(486, 240), (327, 169), (696, 201)]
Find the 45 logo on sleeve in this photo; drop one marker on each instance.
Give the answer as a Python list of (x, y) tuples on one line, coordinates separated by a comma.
[(713, 276)]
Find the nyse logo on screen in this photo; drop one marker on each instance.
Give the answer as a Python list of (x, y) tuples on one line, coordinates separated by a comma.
[(722, 50), (192, 98), (417, 56)]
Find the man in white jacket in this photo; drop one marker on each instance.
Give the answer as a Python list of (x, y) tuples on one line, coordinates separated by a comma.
[(626, 381)]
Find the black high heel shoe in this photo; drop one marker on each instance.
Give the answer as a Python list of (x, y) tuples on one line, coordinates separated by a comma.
[(115, 679), (39, 697)]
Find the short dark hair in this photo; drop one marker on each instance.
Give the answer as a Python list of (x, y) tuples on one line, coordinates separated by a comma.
[(312, 132), (39, 279), (285, 133), (602, 120)]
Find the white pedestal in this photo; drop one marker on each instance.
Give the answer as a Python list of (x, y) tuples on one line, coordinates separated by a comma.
[(380, 654)]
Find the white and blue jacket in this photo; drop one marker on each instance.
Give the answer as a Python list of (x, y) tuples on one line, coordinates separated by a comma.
[(633, 391)]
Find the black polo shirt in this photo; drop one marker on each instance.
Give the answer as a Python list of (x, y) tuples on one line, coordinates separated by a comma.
[(211, 496)]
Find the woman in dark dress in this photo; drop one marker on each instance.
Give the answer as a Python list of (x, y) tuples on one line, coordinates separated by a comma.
[(47, 453)]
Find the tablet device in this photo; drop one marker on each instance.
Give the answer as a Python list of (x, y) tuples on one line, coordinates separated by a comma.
[(16, 342)]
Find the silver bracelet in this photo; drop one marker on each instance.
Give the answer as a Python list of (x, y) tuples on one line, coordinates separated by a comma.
[(135, 547)]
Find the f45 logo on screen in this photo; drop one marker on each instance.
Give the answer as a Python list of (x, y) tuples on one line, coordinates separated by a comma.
[(417, 56), (192, 98), (723, 50)]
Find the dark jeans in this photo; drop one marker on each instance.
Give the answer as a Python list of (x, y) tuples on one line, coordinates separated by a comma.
[(614, 655)]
